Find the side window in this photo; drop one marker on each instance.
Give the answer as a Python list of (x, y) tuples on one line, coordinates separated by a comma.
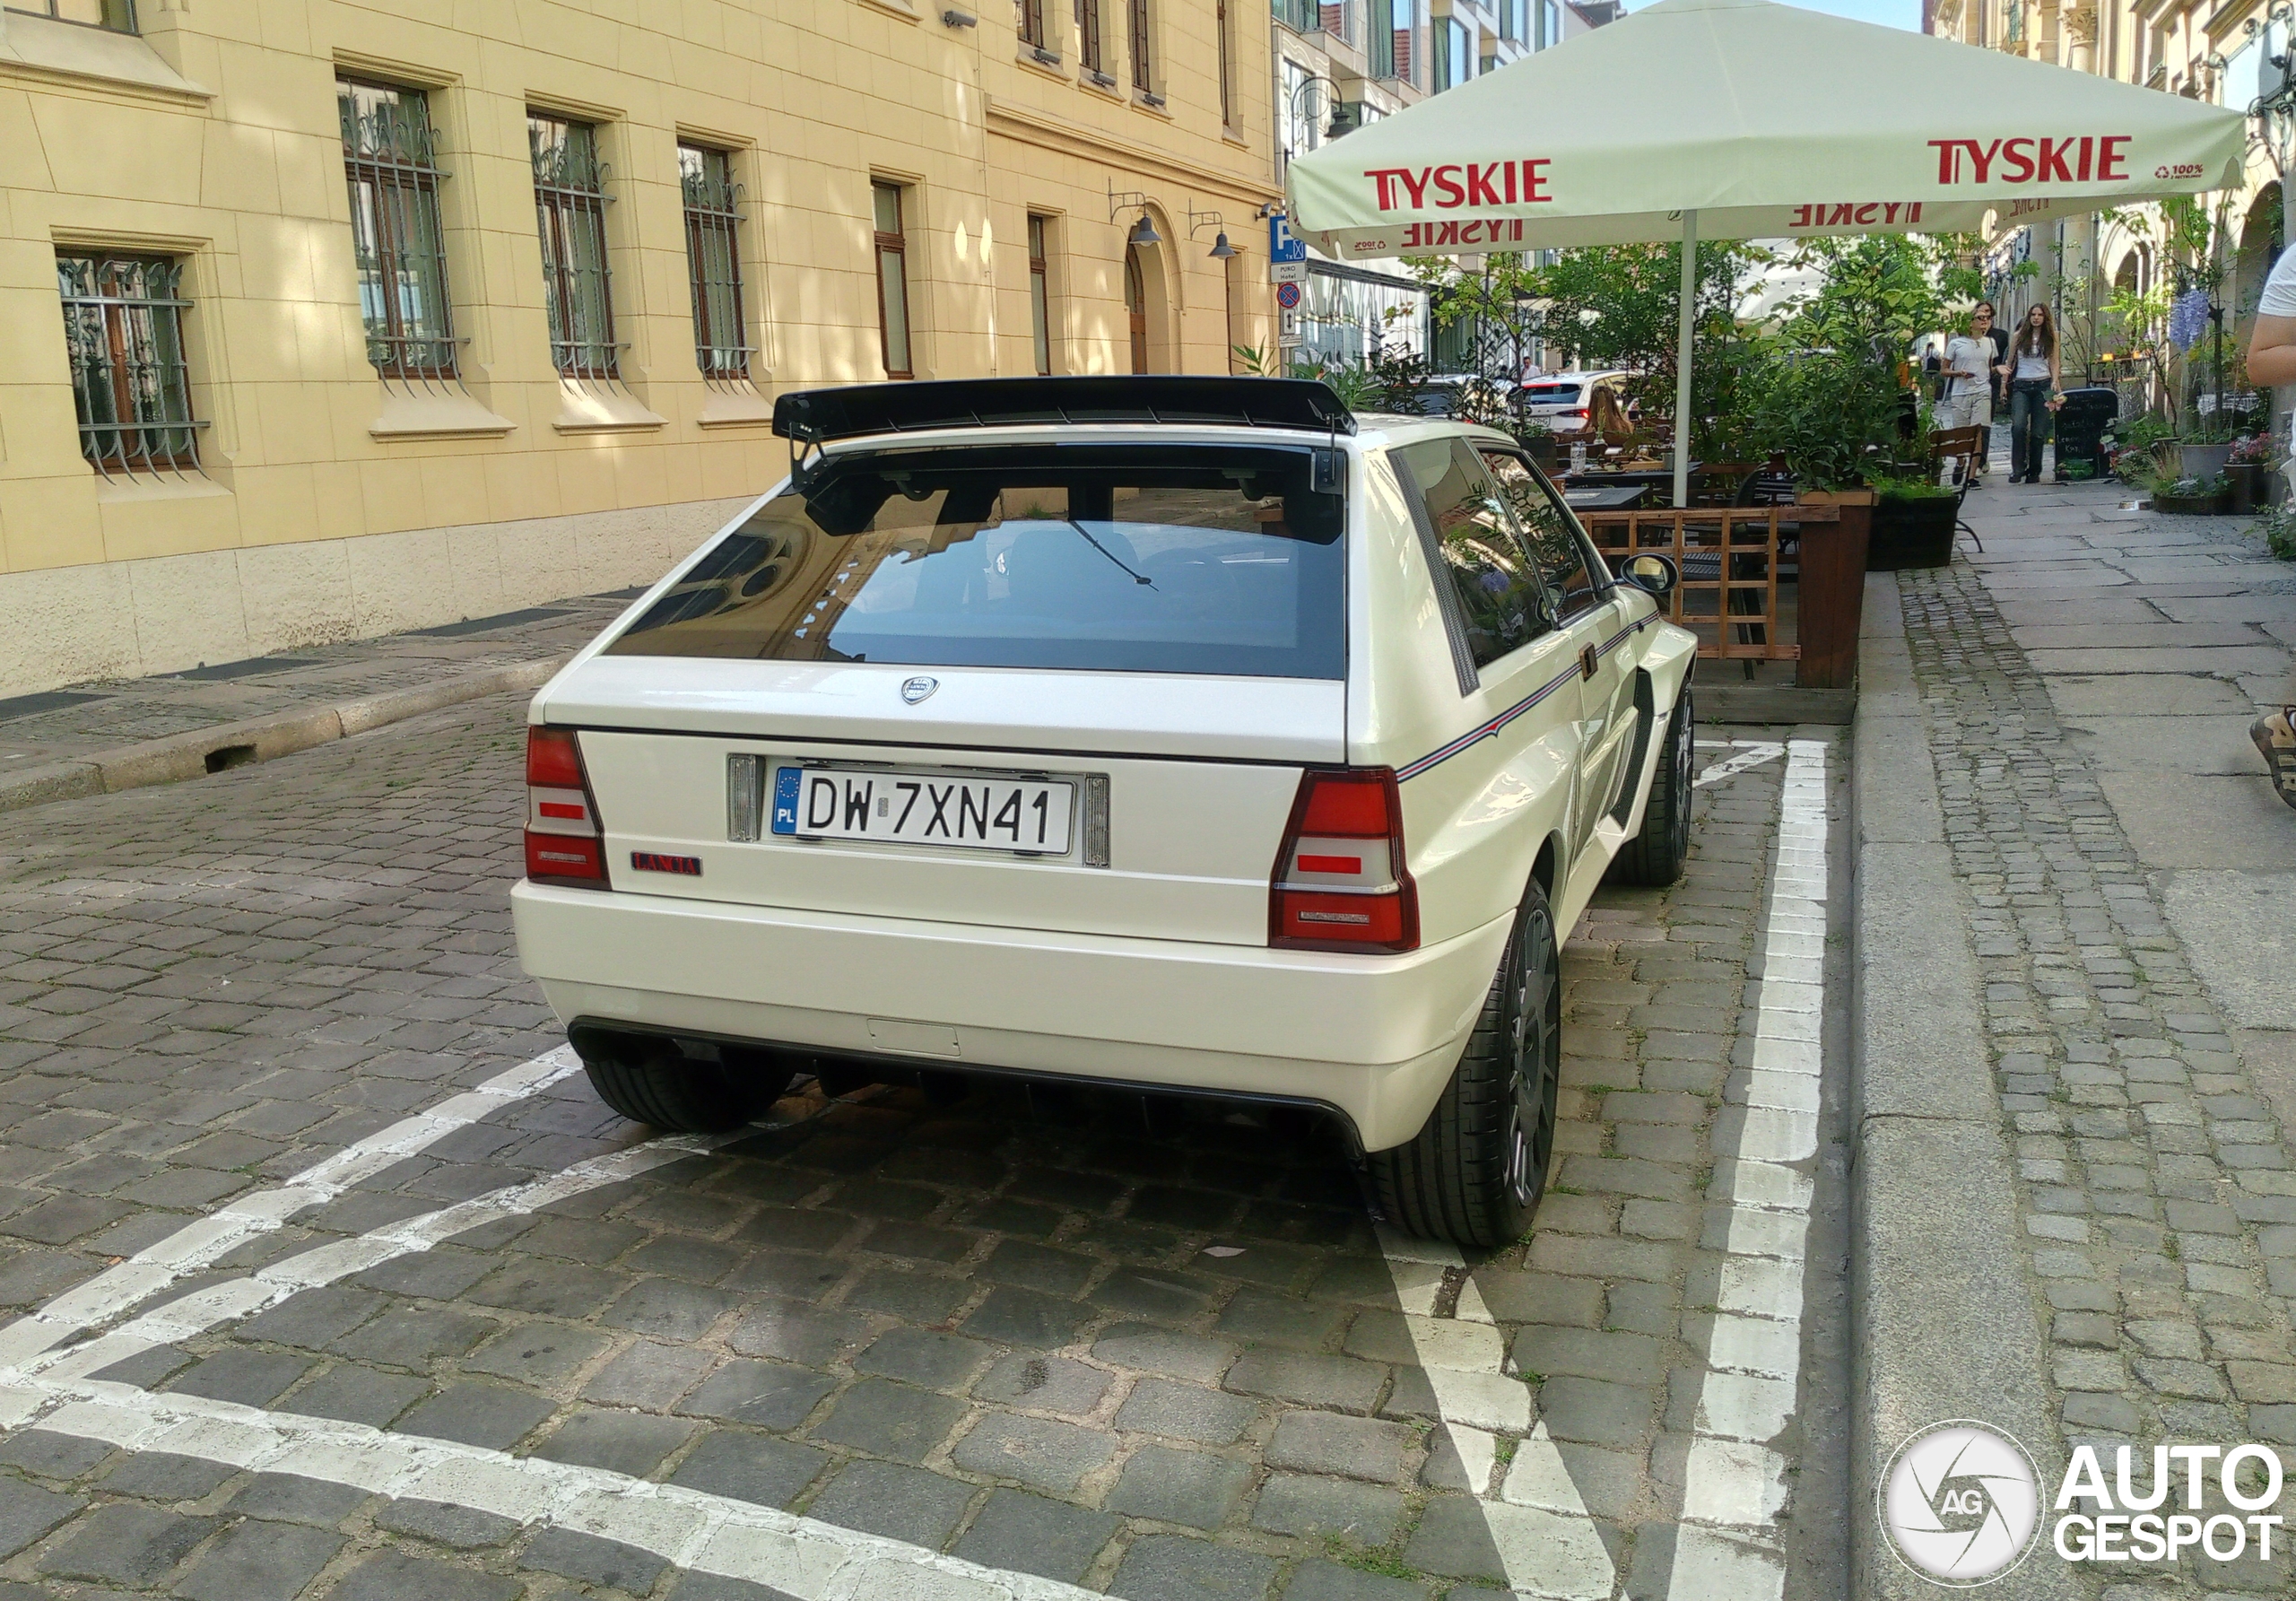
[(1553, 535), (1491, 579)]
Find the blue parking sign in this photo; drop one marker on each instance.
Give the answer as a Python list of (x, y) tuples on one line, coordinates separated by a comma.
[(1280, 246)]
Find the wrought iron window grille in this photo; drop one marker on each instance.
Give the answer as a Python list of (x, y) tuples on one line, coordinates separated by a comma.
[(713, 236), (131, 386), (569, 210), (391, 164)]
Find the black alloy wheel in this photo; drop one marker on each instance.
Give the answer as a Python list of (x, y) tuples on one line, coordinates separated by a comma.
[(1536, 1058)]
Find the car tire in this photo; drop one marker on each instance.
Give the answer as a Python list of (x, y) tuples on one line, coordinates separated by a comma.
[(682, 1095), (1655, 857), (1476, 1170)]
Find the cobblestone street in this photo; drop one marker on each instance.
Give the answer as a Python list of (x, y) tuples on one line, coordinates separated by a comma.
[(299, 1314)]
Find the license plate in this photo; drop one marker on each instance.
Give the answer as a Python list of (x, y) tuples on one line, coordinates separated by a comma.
[(910, 806)]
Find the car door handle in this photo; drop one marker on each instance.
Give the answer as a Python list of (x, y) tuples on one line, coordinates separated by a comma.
[(1587, 661)]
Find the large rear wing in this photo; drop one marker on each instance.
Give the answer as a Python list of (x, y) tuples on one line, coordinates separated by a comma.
[(817, 416)]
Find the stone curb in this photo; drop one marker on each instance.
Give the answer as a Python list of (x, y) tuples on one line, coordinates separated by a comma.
[(1943, 1320), (204, 751)]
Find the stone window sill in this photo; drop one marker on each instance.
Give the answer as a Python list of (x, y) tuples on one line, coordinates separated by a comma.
[(436, 414), (41, 46), (585, 409), (735, 408), (167, 486)]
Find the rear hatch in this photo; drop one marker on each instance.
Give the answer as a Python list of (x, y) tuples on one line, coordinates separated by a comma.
[(1063, 688)]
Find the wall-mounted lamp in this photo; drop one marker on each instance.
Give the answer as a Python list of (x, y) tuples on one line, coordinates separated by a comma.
[(1198, 221), (1143, 232)]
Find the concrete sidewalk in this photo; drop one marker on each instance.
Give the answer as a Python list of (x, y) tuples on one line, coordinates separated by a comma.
[(2076, 1066), (119, 734)]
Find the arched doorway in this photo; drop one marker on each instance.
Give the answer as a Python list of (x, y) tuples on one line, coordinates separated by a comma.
[(1136, 306)]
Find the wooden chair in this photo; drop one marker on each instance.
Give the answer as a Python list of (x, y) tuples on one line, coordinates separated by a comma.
[(1959, 448)]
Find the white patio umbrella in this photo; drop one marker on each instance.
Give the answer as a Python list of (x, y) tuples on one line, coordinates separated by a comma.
[(1748, 119)]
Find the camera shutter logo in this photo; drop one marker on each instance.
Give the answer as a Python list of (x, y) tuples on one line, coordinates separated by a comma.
[(1961, 1503)]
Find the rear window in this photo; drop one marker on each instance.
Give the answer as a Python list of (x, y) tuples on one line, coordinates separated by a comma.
[(1552, 392), (1146, 559)]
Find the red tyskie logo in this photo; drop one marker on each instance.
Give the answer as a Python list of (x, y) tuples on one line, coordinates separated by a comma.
[(2073, 160)]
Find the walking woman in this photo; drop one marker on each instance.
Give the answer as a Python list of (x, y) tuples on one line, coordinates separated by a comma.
[(2033, 393)]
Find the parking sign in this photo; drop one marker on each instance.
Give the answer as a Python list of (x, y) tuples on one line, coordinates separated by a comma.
[(1281, 245)]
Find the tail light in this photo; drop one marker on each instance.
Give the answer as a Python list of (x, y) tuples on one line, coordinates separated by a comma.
[(1580, 413), (1340, 882), (563, 843)]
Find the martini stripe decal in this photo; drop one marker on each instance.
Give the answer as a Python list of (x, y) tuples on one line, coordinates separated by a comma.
[(1490, 729)]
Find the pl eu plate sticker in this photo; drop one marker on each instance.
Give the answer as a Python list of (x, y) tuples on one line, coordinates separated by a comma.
[(786, 780)]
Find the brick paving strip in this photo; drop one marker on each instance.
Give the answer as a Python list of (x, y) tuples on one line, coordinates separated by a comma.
[(2074, 1208), (108, 735)]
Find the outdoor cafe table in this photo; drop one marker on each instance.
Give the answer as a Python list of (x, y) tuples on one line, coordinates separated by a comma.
[(1624, 497), (1619, 477)]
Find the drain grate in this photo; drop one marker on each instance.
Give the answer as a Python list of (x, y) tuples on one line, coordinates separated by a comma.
[(32, 706)]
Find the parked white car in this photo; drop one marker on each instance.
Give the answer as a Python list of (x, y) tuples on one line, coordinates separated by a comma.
[(1563, 400), (1176, 734)]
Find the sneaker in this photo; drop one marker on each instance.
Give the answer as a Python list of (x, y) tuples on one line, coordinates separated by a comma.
[(2277, 742)]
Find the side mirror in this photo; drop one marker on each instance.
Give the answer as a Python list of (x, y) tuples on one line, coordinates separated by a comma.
[(1652, 572)]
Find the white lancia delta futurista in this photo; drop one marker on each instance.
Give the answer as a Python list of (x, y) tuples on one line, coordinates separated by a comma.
[(1178, 735)]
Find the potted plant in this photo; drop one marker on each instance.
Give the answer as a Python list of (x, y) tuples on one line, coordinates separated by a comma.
[(1913, 524), (2204, 445), (2246, 469)]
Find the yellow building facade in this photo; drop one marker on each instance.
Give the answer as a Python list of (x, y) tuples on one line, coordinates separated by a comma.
[(323, 320)]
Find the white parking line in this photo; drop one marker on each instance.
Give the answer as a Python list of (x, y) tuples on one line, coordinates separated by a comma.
[(232, 1300), (694, 1531), (200, 1243), (1755, 754), (1728, 1545)]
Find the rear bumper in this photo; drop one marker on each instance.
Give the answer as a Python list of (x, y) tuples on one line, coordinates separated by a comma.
[(1374, 1038)]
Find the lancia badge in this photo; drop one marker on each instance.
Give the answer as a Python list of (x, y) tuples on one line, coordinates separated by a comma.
[(918, 689)]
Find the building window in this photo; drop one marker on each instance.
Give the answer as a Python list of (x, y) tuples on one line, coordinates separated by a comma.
[(892, 278), (1550, 22), (1337, 18), (1227, 70), (400, 250), (1039, 294), (1511, 20), (1451, 62), (571, 210), (122, 329), (1143, 63), (1301, 16), (118, 16), (1088, 38), (713, 255), (1031, 24), (1393, 23)]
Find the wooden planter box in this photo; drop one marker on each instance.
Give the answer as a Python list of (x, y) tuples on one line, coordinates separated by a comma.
[(1832, 587), (2192, 505), (1911, 533)]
